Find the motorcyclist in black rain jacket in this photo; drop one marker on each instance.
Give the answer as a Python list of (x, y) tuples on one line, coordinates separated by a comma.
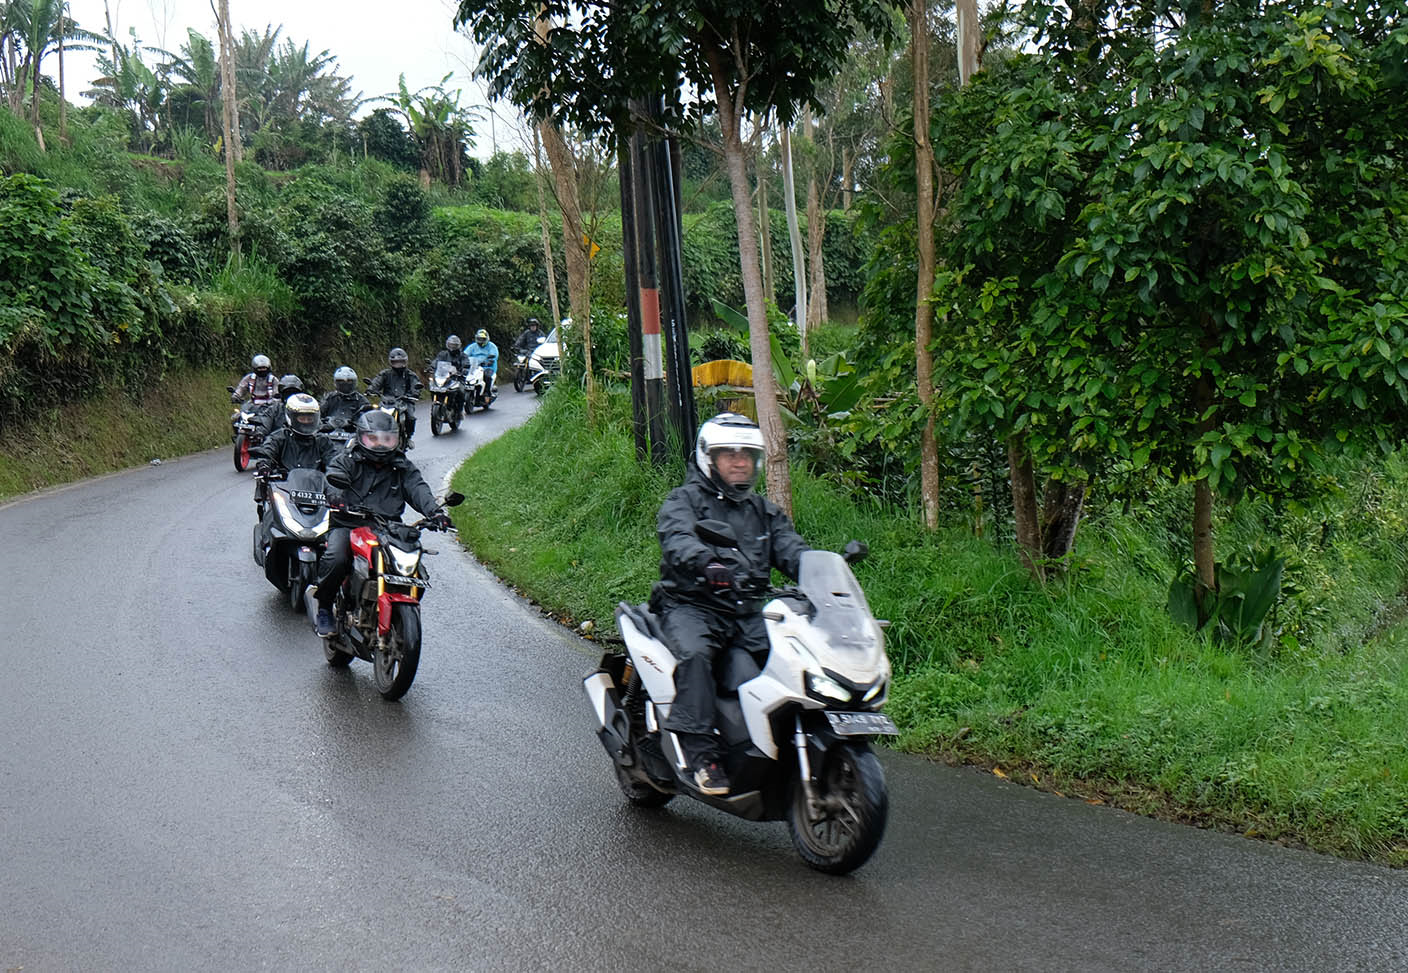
[(710, 599)]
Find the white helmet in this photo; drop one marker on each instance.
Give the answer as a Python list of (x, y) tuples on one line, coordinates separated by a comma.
[(301, 414), (729, 430)]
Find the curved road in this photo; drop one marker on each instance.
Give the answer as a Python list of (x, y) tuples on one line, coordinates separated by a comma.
[(184, 784)]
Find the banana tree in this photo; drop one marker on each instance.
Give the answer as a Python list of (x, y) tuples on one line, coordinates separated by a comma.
[(440, 126)]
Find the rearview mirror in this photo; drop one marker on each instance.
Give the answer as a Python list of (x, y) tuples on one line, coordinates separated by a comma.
[(230, 389), (855, 552), (454, 499), (716, 533)]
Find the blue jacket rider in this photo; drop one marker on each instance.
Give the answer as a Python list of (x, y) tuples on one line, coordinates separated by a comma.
[(486, 353)]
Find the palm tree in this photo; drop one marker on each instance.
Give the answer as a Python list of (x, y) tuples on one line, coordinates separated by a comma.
[(36, 27), (196, 73), (440, 126)]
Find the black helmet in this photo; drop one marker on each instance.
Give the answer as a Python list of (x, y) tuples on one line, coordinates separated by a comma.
[(452, 343), (533, 323), (345, 380), (301, 414), (289, 384), (481, 336), (260, 364), (378, 438), (398, 358)]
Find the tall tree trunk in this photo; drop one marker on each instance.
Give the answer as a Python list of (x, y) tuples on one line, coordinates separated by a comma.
[(230, 95), (1061, 511), (230, 116), (924, 310), (817, 311), (969, 28), (765, 230), (574, 244), (547, 237), (794, 235), (779, 475), (1024, 514), (1204, 557), (63, 100), (847, 163)]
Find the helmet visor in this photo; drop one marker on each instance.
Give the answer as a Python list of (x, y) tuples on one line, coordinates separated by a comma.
[(379, 440), (737, 467), (345, 385)]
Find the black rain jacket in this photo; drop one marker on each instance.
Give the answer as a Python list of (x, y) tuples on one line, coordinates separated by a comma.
[(389, 385), (293, 452), (383, 487), (342, 408), (766, 538)]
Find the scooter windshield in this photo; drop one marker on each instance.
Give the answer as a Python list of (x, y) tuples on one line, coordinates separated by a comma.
[(841, 609), (443, 371)]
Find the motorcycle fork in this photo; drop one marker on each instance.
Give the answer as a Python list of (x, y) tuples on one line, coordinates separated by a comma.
[(804, 765)]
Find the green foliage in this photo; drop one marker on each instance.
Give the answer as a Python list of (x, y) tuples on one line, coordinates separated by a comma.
[(506, 181), (1175, 285), (1241, 603), (384, 138), (403, 217)]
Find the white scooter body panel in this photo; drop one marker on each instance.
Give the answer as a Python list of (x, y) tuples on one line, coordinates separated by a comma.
[(654, 662)]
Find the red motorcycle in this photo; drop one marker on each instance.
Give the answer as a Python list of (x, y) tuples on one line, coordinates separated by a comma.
[(377, 609)]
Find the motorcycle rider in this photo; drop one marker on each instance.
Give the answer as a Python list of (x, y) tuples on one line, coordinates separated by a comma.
[(528, 339), (455, 355), (344, 403), (259, 385), (400, 383), (298, 444), (486, 353), (273, 413), (373, 473), (708, 599)]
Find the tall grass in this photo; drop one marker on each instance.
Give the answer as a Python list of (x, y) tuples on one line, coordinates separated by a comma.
[(1087, 684)]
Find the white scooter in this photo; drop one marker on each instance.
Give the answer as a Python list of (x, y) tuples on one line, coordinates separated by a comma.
[(794, 732)]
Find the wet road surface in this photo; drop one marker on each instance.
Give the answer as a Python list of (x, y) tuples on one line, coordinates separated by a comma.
[(185, 784)]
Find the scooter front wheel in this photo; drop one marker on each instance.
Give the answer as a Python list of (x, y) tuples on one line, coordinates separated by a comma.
[(394, 668), (843, 828), (519, 380), (241, 453)]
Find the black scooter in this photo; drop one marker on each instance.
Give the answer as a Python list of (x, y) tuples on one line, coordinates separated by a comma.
[(292, 530)]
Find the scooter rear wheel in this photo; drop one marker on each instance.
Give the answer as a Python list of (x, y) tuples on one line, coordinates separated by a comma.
[(843, 832), (393, 676)]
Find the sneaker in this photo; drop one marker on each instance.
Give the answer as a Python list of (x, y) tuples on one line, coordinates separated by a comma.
[(324, 625), (710, 778)]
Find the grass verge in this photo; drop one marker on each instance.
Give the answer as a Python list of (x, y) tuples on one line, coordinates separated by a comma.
[(183, 413), (1086, 688)]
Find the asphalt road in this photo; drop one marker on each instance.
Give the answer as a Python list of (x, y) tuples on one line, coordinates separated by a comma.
[(185, 785)]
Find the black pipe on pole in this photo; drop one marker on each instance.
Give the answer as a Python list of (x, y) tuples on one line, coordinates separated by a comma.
[(648, 298), (628, 258), (668, 222)]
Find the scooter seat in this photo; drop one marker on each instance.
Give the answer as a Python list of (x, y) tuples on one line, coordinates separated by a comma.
[(643, 619)]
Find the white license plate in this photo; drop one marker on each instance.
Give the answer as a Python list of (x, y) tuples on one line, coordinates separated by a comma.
[(860, 724)]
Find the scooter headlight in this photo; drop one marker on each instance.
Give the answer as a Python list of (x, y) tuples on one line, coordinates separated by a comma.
[(823, 685)]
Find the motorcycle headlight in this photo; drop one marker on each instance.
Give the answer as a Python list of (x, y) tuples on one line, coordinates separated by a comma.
[(405, 561)]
